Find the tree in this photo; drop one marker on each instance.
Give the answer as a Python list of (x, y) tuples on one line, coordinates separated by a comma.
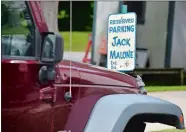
[(50, 11)]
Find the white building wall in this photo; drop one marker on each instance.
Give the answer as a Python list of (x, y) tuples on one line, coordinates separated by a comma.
[(152, 35), (178, 56)]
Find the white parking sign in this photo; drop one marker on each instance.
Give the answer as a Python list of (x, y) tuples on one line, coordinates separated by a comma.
[(121, 42)]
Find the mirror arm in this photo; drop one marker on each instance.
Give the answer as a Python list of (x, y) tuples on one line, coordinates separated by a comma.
[(51, 72), (43, 75), (47, 73)]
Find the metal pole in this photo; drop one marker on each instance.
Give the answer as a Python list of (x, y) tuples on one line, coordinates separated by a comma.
[(123, 8), (93, 32)]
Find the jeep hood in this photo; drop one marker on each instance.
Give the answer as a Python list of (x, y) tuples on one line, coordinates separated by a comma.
[(95, 75)]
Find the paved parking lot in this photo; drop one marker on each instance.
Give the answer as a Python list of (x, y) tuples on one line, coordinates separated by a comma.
[(74, 56)]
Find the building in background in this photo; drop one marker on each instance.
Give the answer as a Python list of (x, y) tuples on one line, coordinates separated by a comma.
[(178, 48), (161, 29), (163, 33), (152, 31)]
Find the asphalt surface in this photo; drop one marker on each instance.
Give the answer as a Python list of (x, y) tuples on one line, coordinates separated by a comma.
[(178, 98), (75, 56)]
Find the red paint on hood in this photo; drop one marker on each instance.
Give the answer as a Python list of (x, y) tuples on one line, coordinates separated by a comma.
[(95, 75)]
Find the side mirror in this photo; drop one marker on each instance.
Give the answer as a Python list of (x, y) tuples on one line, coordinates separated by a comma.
[(52, 48)]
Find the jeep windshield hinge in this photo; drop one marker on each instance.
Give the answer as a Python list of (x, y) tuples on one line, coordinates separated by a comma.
[(141, 85)]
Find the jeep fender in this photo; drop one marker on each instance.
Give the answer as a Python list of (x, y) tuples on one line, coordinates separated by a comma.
[(111, 113)]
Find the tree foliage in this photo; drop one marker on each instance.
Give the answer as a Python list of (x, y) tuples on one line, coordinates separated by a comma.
[(82, 15)]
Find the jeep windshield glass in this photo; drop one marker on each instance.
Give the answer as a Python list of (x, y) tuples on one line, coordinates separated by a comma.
[(16, 29)]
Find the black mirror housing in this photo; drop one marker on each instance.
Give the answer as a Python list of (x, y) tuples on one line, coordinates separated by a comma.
[(59, 48), (52, 48)]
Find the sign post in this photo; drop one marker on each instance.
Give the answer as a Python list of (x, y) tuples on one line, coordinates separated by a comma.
[(123, 8), (121, 41)]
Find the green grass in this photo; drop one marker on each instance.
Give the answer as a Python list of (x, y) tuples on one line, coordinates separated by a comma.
[(165, 88), (14, 30), (79, 41), (171, 130)]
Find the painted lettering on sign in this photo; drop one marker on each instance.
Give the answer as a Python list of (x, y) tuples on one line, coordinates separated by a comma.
[(121, 42)]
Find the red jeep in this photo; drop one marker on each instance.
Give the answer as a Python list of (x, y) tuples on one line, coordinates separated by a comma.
[(41, 92)]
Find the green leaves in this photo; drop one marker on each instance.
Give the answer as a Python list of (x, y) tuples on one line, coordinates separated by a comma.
[(62, 14)]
